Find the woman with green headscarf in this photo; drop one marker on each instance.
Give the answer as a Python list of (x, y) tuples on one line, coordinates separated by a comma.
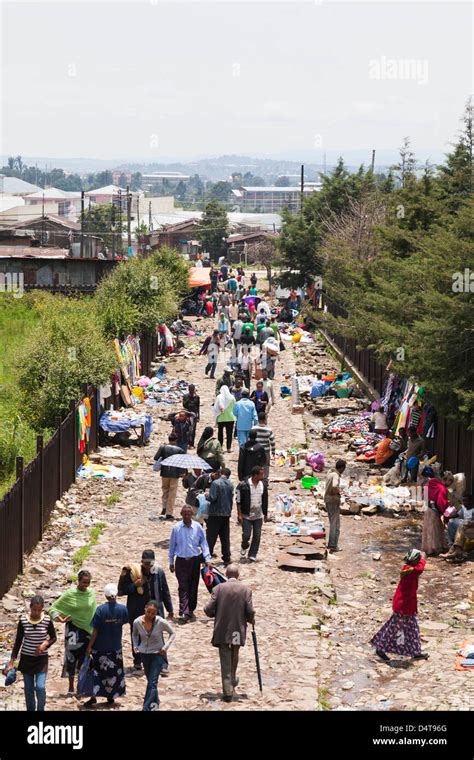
[(76, 608)]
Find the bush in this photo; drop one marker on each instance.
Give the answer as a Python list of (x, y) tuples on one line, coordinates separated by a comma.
[(65, 350), (140, 292)]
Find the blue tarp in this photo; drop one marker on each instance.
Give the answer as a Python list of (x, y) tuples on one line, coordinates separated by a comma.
[(125, 423)]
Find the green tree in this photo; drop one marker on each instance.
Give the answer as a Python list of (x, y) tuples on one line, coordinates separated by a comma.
[(213, 228), (57, 359), (456, 181), (282, 182), (220, 191), (102, 220)]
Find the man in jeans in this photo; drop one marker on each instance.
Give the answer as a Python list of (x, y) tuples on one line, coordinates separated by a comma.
[(332, 500), (169, 476), (252, 509), (221, 494)]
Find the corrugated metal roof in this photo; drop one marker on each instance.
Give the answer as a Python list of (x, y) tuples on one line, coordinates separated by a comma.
[(53, 192), (28, 252), (15, 186)]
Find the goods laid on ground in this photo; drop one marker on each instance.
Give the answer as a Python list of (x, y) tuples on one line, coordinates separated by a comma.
[(114, 421), (89, 470)]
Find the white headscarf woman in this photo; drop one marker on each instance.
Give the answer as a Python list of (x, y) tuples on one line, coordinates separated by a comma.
[(223, 400)]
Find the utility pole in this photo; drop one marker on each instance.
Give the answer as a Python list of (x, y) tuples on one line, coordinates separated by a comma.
[(324, 163), (149, 216), (372, 167), (113, 229), (81, 255), (129, 216), (302, 186), (120, 221), (42, 222)]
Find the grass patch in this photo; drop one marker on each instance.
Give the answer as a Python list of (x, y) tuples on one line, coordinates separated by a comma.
[(112, 499), (323, 698), (82, 554)]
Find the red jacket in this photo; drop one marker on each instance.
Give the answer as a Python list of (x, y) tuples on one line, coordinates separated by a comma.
[(438, 493), (404, 600)]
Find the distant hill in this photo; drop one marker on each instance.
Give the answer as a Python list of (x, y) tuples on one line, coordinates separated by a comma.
[(221, 167)]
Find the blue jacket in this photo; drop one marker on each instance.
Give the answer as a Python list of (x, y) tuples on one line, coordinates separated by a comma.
[(245, 414), (221, 494)]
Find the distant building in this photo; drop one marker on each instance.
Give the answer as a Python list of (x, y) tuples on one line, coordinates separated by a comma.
[(163, 178), (238, 243), (116, 177), (112, 194), (271, 199), (69, 202), (15, 186), (181, 235)]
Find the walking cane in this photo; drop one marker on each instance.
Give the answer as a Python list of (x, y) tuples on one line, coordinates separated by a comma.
[(257, 658)]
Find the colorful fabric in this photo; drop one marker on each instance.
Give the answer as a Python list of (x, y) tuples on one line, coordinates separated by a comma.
[(80, 606), (405, 599), (399, 635), (108, 673)]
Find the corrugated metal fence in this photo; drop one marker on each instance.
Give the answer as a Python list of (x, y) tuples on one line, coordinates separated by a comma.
[(453, 443)]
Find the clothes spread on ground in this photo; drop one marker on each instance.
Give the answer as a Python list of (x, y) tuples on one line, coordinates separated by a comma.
[(88, 470), (120, 421)]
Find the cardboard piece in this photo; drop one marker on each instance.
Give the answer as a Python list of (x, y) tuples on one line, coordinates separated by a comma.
[(287, 561), (301, 551)]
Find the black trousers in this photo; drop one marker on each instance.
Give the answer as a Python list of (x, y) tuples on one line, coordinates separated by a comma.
[(211, 366), (219, 527), (229, 429)]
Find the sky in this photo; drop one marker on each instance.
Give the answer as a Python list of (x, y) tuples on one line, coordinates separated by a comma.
[(160, 79)]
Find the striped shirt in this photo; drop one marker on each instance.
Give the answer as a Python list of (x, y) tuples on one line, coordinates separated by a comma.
[(30, 635), (265, 437)]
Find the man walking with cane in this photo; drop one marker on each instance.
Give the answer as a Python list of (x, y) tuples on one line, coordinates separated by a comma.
[(231, 607)]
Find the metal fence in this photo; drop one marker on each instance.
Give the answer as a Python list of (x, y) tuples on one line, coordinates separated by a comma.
[(453, 443), (26, 507)]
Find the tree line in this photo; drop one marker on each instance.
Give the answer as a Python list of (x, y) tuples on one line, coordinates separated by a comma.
[(397, 254)]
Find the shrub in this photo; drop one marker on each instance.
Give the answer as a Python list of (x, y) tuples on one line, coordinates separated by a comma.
[(65, 350)]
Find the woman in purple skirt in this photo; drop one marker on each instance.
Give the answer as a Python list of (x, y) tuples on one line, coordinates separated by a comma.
[(400, 634)]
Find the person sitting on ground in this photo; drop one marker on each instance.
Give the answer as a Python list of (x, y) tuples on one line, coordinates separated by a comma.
[(379, 420), (385, 456), (458, 524), (415, 448), (318, 387)]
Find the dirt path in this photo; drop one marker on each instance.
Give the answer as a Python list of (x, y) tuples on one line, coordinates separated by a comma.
[(351, 676), (314, 653), (287, 641)]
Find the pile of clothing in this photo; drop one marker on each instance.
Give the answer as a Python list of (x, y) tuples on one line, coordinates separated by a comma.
[(358, 423), (114, 421), (166, 391), (87, 470)]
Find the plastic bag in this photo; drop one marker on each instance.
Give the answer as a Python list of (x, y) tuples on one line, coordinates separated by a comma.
[(203, 510), (316, 461), (85, 681)]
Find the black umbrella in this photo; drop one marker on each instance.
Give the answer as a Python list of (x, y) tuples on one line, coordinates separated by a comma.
[(257, 658)]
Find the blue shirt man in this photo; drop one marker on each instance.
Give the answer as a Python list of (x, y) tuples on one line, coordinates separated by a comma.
[(246, 416), (188, 549)]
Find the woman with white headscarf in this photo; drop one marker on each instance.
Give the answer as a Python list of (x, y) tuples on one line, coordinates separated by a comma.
[(224, 416), (105, 648)]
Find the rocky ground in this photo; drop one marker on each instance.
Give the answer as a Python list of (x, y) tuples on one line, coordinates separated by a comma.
[(312, 628)]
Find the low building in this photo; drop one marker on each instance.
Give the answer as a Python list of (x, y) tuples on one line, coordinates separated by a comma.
[(165, 179), (181, 235), (28, 268), (52, 231), (69, 203), (237, 244), (271, 199), (15, 186)]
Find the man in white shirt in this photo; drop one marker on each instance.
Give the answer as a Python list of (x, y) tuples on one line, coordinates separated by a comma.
[(252, 509)]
